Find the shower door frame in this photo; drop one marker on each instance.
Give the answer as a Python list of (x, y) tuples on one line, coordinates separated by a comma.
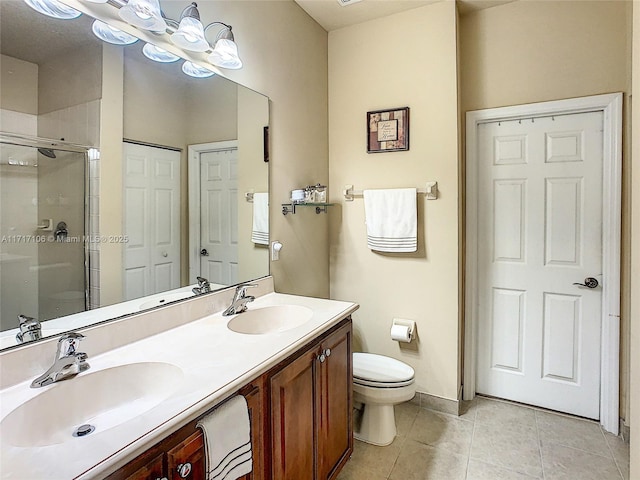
[(39, 142)]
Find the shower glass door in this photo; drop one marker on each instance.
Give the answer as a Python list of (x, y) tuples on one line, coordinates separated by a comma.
[(42, 233)]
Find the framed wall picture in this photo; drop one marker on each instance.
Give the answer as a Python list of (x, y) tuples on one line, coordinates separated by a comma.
[(388, 130)]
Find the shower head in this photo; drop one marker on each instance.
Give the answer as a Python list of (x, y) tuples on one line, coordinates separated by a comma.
[(47, 152)]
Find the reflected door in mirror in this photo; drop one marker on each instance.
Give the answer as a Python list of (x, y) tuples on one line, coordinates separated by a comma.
[(152, 220), (219, 214)]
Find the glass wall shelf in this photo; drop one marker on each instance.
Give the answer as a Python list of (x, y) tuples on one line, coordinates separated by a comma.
[(291, 207)]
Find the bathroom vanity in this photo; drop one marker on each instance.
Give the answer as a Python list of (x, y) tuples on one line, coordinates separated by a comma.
[(300, 418), (295, 375)]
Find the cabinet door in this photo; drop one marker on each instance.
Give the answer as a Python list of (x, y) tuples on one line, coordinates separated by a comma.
[(293, 423), (186, 460), (335, 432)]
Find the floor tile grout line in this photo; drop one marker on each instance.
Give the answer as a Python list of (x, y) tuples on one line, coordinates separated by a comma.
[(615, 460), (473, 432), (539, 444)]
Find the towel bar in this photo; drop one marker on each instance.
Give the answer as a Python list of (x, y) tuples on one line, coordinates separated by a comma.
[(430, 192)]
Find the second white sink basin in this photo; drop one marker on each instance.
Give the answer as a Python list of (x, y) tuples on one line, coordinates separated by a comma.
[(103, 399), (273, 319)]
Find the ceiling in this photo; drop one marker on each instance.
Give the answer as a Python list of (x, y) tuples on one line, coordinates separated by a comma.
[(331, 14)]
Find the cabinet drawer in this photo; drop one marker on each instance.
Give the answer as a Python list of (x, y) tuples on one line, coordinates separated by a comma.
[(186, 460)]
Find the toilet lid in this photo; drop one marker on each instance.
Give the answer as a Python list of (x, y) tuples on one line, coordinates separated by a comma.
[(378, 370)]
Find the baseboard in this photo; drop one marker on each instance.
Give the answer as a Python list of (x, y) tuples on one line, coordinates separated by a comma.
[(625, 431), (439, 404)]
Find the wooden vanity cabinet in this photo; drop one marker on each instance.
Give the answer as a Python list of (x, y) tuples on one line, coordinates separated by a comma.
[(301, 421), (311, 414), (182, 454)]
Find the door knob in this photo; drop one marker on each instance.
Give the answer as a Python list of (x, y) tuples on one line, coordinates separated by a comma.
[(204, 252), (589, 282)]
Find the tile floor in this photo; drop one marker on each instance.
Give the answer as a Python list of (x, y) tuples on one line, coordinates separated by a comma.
[(492, 440)]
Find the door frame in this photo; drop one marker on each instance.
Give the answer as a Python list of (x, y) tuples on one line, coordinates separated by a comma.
[(611, 107), (193, 164)]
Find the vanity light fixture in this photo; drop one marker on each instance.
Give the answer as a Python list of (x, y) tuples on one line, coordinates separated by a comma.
[(225, 50), (144, 14), (158, 54), (111, 34), (196, 71), (53, 8), (190, 33)]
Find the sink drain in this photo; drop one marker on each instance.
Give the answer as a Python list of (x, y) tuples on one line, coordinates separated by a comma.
[(83, 430)]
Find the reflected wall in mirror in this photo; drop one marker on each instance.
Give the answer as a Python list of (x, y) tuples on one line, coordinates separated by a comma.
[(60, 82)]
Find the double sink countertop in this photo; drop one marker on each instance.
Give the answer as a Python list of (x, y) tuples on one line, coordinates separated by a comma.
[(185, 371)]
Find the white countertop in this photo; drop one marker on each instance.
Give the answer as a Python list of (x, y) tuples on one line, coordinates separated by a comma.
[(215, 362)]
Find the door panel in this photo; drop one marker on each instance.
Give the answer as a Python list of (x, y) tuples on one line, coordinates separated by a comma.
[(151, 220), (539, 232), (219, 215)]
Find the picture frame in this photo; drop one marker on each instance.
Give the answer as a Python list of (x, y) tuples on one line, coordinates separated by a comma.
[(388, 130)]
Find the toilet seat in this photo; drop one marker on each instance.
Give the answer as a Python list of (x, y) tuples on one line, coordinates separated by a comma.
[(378, 371)]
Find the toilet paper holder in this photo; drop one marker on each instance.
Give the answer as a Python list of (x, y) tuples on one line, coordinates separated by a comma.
[(408, 325)]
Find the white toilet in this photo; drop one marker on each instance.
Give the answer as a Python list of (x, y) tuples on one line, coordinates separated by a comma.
[(379, 383)]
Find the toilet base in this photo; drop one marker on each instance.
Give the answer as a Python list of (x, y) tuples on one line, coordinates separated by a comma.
[(377, 425)]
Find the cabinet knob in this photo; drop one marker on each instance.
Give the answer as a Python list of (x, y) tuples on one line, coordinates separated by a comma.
[(322, 357), (327, 352), (163, 478), (184, 469)]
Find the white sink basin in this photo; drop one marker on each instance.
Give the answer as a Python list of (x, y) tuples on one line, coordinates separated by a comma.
[(103, 399), (273, 319), (170, 297)]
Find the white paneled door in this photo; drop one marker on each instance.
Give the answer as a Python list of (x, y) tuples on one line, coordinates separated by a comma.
[(151, 220), (219, 215), (539, 235)]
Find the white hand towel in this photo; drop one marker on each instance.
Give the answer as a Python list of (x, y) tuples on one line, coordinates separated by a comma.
[(260, 230), (392, 219), (227, 437)]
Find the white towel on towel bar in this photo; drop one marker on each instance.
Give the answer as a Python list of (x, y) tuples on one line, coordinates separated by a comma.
[(392, 219), (260, 230), (227, 438)]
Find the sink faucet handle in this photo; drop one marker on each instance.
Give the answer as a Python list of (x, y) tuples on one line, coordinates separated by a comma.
[(67, 343), (241, 290)]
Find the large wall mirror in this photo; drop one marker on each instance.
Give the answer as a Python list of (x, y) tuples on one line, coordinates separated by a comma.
[(186, 157)]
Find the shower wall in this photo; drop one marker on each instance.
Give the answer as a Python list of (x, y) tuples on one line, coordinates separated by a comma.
[(56, 100), (18, 193)]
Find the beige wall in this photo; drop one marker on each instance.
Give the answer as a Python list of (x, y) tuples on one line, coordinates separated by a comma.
[(285, 57), (70, 79), (111, 133), (18, 86), (414, 66), (525, 52), (634, 399)]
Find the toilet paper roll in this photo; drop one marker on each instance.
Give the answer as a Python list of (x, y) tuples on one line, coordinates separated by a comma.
[(401, 333)]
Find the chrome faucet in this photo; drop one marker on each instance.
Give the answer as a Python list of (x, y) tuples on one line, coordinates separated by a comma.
[(203, 286), (68, 362), (240, 300), (30, 329)]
